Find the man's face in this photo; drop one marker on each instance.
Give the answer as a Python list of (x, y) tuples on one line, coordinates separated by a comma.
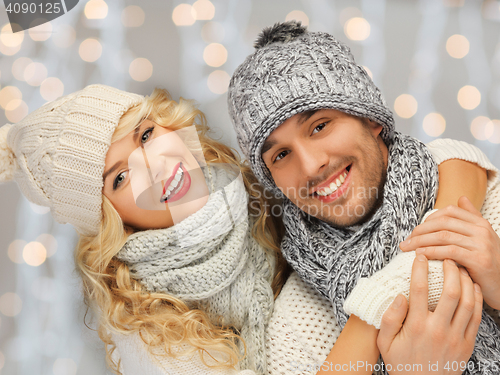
[(330, 164)]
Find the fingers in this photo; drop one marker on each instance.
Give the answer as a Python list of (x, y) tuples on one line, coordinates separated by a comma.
[(450, 297), (444, 223), (466, 204), (467, 303), (439, 238), (471, 331), (457, 253), (391, 323), (419, 289)]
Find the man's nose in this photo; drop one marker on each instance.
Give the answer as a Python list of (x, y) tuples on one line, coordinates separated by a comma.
[(312, 160)]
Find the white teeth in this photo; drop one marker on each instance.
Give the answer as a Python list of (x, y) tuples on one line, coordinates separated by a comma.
[(333, 186), (173, 184)]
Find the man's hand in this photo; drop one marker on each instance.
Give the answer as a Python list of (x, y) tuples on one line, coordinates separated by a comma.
[(427, 341), (462, 234)]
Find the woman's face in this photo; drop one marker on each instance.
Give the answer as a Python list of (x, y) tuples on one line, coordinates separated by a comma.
[(152, 179)]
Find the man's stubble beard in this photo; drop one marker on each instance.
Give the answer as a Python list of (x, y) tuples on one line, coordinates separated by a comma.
[(372, 204)]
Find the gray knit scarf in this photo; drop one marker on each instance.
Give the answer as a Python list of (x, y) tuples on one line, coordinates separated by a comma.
[(333, 260), (211, 261)]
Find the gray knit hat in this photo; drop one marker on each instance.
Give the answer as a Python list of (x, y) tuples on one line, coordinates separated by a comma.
[(293, 71), (56, 154)]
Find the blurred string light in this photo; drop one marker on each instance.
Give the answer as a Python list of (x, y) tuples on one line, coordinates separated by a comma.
[(357, 28), (457, 46), (10, 43), (204, 10), (298, 15), (19, 66), (16, 111), (90, 50), (215, 55), (64, 366), (10, 304), (49, 242), (34, 253), (218, 81), (184, 15), (469, 97), (140, 69), (347, 13), (495, 136), (405, 106), (133, 16), (434, 124), (35, 73), (64, 36), (481, 128), (15, 251), (212, 32), (96, 10), (50, 89), (41, 32), (9, 93)]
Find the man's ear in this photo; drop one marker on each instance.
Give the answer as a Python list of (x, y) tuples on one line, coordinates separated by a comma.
[(374, 127)]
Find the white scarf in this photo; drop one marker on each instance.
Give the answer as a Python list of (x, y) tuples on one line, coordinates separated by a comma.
[(211, 260)]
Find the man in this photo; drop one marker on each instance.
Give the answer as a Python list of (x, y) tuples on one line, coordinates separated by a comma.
[(316, 129)]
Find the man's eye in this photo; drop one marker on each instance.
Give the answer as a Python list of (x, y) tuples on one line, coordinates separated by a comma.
[(319, 128), (118, 180), (281, 155), (147, 134)]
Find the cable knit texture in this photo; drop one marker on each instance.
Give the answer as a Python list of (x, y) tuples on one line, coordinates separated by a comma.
[(228, 275), (293, 71), (60, 150)]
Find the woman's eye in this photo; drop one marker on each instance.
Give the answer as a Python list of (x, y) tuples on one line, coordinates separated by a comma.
[(319, 128), (281, 155), (118, 180), (146, 135)]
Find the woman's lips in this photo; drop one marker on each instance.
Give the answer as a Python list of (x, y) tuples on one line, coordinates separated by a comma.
[(181, 189)]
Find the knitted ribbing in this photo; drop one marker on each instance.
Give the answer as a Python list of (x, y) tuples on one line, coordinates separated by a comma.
[(228, 275)]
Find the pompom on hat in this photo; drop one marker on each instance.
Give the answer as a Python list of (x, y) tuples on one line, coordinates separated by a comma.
[(293, 71), (57, 153)]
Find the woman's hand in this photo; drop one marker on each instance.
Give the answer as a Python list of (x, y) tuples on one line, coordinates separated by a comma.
[(462, 234), (432, 342)]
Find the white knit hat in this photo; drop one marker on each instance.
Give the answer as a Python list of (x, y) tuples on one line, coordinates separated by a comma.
[(56, 154)]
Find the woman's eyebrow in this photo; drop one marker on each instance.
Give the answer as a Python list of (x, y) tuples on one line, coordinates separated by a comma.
[(116, 165)]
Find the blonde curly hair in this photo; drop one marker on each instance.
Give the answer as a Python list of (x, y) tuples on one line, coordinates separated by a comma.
[(164, 321)]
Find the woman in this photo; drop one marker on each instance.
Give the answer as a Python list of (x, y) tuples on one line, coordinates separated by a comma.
[(182, 278)]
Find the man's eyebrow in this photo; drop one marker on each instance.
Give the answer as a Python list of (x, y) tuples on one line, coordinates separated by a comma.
[(268, 144), (304, 116), (117, 164)]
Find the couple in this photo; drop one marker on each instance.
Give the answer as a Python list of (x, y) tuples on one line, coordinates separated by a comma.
[(180, 253)]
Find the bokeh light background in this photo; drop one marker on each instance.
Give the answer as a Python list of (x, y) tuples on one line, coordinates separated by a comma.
[(436, 61)]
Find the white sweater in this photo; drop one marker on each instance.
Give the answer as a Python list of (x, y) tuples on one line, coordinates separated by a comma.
[(302, 329)]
